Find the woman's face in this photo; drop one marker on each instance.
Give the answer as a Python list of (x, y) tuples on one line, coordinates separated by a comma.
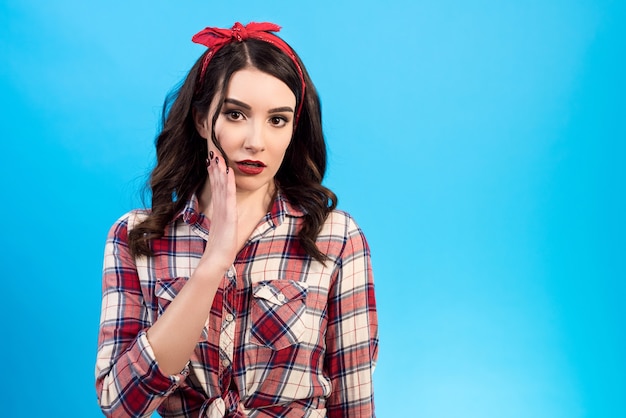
[(254, 127)]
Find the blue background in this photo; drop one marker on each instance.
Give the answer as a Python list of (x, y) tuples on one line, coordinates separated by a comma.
[(479, 144)]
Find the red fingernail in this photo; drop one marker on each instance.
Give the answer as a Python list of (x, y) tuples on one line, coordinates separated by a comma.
[(211, 154), (208, 162)]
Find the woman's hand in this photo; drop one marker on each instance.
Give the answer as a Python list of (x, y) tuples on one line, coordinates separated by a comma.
[(221, 248)]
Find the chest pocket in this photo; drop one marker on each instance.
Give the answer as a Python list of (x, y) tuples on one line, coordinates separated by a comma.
[(279, 315), (166, 290)]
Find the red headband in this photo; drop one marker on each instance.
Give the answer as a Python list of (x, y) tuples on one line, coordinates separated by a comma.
[(216, 38)]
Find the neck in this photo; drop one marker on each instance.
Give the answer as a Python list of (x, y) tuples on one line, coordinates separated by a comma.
[(255, 202), (249, 203)]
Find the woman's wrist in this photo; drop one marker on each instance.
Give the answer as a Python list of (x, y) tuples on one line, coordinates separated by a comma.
[(212, 267)]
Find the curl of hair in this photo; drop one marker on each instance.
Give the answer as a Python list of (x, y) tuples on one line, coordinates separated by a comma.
[(180, 168)]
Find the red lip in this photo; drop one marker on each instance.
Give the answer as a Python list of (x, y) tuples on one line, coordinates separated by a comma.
[(250, 167)]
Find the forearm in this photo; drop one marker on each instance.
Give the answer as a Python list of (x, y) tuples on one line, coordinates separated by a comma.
[(175, 334)]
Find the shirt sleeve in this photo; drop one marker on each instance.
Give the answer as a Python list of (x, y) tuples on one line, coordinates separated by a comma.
[(352, 334), (128, 380)]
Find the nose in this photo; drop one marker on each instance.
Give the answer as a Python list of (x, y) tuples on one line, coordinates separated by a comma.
[(255, 138)]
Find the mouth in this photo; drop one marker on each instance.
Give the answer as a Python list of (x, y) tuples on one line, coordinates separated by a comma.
[(251, 163), (250, 167)]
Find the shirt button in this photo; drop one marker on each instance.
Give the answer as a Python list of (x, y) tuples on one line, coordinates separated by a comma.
[(225, 363), (281, 297), (230, 317), (230, 273)]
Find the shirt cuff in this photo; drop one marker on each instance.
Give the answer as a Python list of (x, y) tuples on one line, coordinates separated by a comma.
[(145, 367)]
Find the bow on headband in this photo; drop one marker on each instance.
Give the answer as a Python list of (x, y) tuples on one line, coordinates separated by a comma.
[(216, 38)]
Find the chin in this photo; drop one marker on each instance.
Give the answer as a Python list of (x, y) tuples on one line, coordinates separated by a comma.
[(250, 185)]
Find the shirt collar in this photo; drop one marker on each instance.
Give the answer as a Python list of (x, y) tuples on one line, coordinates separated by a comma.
[(281, 207), (191, 212)]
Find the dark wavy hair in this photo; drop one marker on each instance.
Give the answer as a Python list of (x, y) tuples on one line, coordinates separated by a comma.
[(180, 168)]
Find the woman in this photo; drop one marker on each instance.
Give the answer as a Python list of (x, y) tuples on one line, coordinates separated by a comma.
[(242, 291)]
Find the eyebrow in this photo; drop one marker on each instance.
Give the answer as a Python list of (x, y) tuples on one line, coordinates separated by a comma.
[(248, 107)]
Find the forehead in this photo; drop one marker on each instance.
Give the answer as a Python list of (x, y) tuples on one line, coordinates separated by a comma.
[(254, 86)]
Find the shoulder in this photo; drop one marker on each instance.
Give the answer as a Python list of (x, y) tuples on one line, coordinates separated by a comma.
[(127, 222), (340, 222), (341, 236)]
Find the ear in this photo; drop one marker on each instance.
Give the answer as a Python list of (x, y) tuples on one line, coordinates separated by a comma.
[(202, 124)]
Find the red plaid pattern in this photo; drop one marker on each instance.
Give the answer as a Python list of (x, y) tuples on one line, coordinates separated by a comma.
[(287, 336)]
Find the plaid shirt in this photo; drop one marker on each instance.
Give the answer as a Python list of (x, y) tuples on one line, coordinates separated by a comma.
[(286, 336)]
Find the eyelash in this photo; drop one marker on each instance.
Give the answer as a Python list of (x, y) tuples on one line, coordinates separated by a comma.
[(282, 120), (236, 115), (229, 114)]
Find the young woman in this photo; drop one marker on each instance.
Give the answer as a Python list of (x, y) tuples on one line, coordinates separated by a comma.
[(242, 291)]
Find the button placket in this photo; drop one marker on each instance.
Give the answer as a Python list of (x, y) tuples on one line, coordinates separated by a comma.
[(227, 335)]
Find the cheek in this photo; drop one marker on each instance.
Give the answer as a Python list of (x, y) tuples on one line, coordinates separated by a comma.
[(227, 135), (280, 147), (282, 139)]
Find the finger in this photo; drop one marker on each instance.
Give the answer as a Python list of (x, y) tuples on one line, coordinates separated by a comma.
[(219, 177)]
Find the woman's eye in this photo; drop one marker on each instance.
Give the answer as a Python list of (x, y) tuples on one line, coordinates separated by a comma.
[(278, 121), (233, 115)]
